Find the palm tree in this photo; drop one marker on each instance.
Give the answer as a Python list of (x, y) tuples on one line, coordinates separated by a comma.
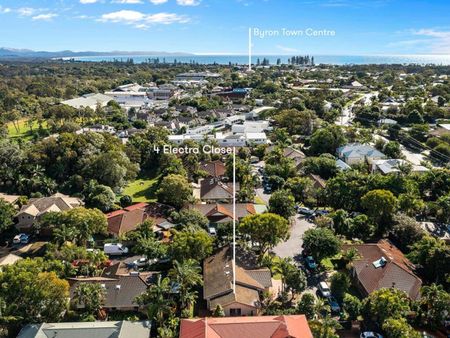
[(64, 234), (350, 256), (186, 275), (90, 297), (283, 266), (321, 308), (157, 300)]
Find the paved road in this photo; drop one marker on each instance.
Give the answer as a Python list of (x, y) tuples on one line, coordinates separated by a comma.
[(293, 246), (414, 158), (346, 118), (260, 193)]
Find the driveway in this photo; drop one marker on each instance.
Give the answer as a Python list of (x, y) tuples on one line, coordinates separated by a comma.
[(293, 246), (265, 197)]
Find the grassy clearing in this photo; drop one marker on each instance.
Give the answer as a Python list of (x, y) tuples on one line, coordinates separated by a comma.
[(143, 189), (24, 129)]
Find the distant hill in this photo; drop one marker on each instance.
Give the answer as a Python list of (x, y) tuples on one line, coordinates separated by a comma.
[(12, 53)]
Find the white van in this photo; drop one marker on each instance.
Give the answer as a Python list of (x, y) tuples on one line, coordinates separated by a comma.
[(115, 249)]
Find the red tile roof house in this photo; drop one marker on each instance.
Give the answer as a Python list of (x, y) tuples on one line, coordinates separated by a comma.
[(216, 169), (251, 281), (382, 265), (292, 326), (128, 219)]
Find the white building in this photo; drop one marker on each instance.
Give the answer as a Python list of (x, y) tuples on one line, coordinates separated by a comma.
[(250, 127), (393, 166), (354, 153), (88, 100)]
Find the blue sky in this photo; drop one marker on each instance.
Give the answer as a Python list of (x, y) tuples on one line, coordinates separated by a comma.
[(221, 26)]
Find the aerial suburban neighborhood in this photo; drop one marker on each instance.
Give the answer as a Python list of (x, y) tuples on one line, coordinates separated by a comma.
[(186, 196)]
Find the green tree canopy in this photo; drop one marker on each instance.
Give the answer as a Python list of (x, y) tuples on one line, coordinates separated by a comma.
[(174, 190), (321, 243), (265, 230)]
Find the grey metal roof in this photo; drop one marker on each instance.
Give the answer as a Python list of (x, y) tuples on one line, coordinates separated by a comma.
[(113, 329)]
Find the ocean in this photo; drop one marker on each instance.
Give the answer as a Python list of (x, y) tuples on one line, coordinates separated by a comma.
[(318, 59)]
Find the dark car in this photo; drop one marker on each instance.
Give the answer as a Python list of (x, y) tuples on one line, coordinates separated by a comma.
[(305, 211), (310, 263), (334, 305)]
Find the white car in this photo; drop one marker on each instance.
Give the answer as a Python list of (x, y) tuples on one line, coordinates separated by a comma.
[(140, 262), (370, 334), (324, 289), (115, 249)]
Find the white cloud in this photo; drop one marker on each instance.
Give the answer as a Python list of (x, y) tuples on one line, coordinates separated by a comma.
[(438, 40), (45, 17), (141, 20), (26, 11), (158, 2), (188, 2), (127, 1), (88, 1), (4, 10), (286, 49), (123, 16)]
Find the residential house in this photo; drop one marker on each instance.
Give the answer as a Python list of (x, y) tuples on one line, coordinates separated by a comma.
[(37, 207), (110, 329), (213, 191), (214, 169), (341, 165), (250, 282), (10, 199), (355, 153), (296, 155), (391, 166), (126, 219), (129, 218), (318, 182), (382, 265), (286, 326), (120, 290), (223, 213), (9, 259)]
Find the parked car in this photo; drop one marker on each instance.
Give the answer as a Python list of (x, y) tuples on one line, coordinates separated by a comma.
[(334, 305), (370, 334), (141, 262), (324, 289), (212, 231), (115, 249), (305, 211), (310, 263), (21, 239)]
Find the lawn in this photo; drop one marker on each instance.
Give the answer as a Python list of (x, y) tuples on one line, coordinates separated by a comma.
[(142, 189), (24, 131)]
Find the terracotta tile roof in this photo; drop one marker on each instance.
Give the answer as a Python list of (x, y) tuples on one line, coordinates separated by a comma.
[(397, 272), (214, 168), (122, 221), (292, 326), (141, 205)]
